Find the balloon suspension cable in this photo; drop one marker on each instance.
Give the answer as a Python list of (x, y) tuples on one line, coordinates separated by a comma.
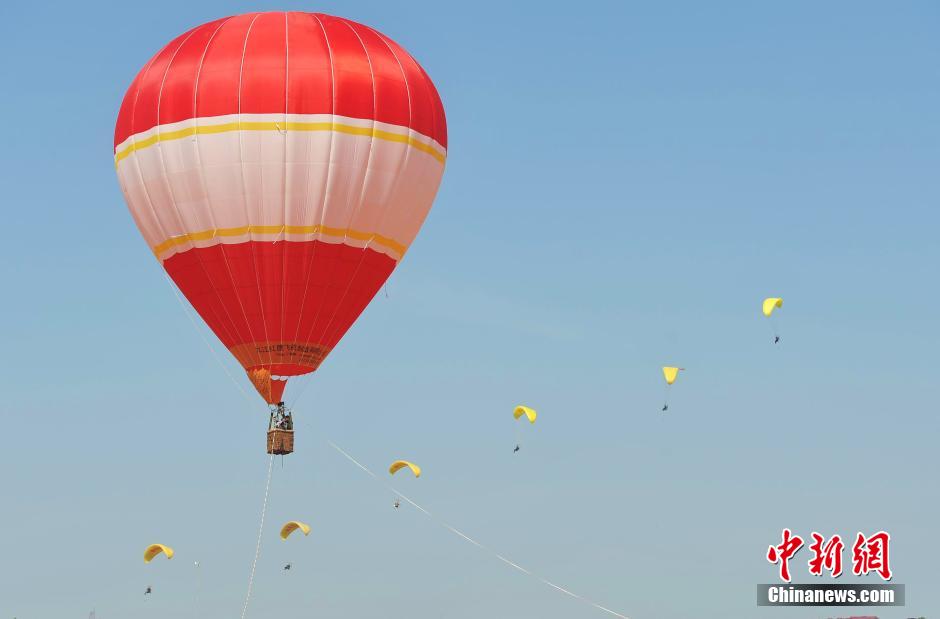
[(469, 539), (203, 336), (254, 562), (304, 383)]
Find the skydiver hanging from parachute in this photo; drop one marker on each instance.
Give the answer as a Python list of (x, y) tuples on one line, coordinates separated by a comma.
[(289, 528), (670, 374), (398, 465), (528, 413), (153, 551), (767, 307)]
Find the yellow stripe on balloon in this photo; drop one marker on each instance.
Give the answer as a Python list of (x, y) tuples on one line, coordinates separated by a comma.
[(378, 134), (206, 235)]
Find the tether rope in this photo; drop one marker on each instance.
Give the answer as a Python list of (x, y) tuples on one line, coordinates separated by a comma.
[(466, 537), (450, 528), (254, 563), (267, 485)]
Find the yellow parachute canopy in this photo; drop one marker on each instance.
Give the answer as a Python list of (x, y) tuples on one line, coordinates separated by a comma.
[(525, 410), (398, 465), (154, 549), (670, 374), (292, 526), (770, 304)]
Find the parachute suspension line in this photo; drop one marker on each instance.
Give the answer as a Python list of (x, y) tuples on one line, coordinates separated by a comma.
[(254, 562), (467, 538)]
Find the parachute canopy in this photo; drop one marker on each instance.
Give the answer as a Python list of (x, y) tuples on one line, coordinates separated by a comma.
[(770, 304), (398, 465), (525, 410), (670, 374), (155, 549), (278, 166), (292, 526)]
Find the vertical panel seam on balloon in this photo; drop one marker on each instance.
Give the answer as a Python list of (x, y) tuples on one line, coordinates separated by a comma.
[(286, 185), (327, 335), (333, 265), (140, 173), (303, 221), (429, 92), (133, 112), (402, 164), (365, 177), (326, 184), (166, 178), (172, 197), (236, 335), (251, 245)]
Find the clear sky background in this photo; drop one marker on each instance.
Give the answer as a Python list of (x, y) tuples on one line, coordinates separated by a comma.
[(625, 183)]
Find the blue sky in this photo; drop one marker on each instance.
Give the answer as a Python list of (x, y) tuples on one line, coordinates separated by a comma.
[(625, 183)]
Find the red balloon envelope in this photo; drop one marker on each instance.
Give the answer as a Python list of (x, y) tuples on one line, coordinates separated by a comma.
[(279, 165)]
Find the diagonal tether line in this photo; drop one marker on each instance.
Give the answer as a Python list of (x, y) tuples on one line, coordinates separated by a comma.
[(254, 563), (457, 532), (466, 537)]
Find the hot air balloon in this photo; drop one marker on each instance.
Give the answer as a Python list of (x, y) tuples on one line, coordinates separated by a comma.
[(279, 165)]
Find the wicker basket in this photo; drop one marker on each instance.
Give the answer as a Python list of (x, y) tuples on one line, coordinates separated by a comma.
[(280, 442)]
